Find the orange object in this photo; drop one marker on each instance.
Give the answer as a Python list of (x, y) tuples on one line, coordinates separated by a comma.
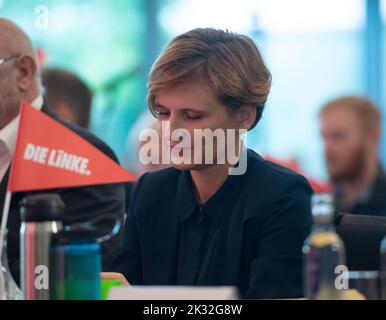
[(48, 155), (41, 57)]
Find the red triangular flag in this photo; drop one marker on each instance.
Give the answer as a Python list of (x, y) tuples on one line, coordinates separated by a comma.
[(48, 156)]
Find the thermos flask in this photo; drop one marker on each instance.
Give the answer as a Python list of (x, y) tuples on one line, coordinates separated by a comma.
[(41, 218), (77, 264), (77, 260)]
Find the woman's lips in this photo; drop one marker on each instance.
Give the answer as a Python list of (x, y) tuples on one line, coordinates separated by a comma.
[(179, 151), (176, 146)]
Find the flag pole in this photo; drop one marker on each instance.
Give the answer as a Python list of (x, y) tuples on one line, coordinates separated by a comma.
[(3, 227), (4, 219)]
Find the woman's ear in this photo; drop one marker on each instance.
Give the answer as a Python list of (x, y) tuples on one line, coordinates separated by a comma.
[(27, 69), (246, 116)]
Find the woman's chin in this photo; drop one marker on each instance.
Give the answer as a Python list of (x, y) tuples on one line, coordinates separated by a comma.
[(188, 166)]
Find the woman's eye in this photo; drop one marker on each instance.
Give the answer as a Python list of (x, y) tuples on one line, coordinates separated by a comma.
[(193, 116), (162, 113)]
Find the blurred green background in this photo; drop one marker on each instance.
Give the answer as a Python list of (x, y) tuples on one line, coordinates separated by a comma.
[(315, 49)]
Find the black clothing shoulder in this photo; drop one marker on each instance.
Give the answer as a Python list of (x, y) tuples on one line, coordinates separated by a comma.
[(374, 203), (249, 234)]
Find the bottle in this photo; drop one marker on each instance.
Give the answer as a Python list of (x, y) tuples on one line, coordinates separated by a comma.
[(41, 217), (77, 259), (77, 264), (323, 252), (383, 269), (10, 290)]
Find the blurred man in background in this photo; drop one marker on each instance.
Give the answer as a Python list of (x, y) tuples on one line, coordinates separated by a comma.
[(67, 95), (19, 81), (351, 128)]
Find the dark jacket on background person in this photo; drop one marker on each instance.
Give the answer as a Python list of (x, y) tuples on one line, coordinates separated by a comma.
[(371, 202), (249, 234), (82, 204)]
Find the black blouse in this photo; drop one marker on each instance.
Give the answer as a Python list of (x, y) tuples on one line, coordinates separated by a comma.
[(249, 234)]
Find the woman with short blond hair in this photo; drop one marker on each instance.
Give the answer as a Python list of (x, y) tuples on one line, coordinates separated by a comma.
[(211, 222)]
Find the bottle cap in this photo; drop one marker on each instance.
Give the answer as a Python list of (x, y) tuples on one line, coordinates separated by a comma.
[(42, 207)]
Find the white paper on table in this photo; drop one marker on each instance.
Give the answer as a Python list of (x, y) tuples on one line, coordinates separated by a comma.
[(172, 293)]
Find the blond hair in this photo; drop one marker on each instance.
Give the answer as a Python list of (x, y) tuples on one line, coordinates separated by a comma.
[(367, 111), (228, 62)]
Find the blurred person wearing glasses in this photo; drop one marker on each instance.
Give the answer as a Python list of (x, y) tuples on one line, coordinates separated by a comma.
[(351, 129), (19, 81)]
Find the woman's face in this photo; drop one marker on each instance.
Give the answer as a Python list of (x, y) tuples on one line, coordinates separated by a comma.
[(182, 112)]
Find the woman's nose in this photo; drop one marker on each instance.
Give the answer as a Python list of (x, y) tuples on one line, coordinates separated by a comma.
[(165, 130), (173, 125), (168, 127)]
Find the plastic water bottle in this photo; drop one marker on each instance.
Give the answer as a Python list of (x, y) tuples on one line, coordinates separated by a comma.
[(76, 260), (77, 264), (9, 289), (324, 254)]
